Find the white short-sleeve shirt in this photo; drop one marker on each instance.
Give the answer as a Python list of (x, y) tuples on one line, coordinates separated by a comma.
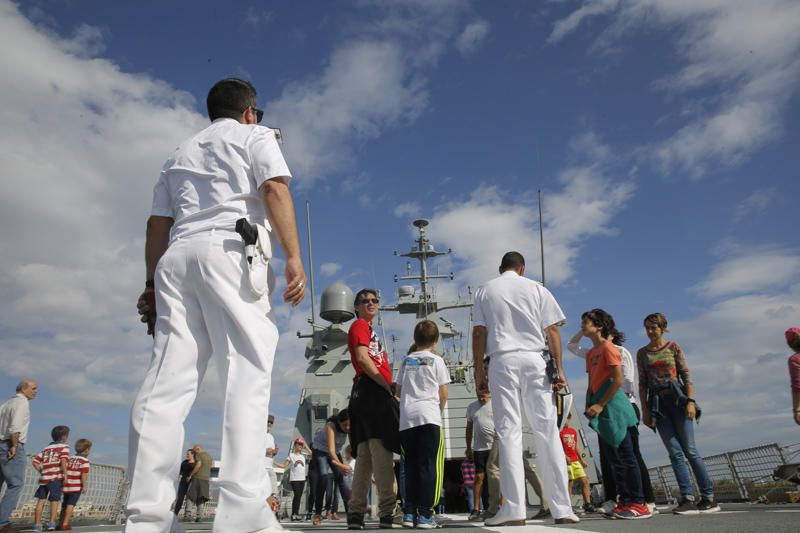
[(515, 311), (297, 467), (483, 432), (15, 417), (420, 376), (269, 461), (212, 179)]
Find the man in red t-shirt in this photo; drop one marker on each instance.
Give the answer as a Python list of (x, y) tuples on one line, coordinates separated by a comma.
[(374, 416), (575, 463)]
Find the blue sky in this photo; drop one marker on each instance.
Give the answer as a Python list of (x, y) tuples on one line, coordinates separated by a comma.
[(663, 135)]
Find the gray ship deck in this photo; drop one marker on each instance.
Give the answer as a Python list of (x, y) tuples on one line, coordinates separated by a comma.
[(741, 518)]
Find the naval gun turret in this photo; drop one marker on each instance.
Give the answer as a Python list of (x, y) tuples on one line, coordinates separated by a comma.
[(329, 374)]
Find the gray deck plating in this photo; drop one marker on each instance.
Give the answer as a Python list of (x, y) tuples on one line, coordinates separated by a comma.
[(739, 518)]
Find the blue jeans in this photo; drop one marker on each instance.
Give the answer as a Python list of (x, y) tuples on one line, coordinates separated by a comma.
[(12, 473), (469, 492), (625, 468), (677, 433)]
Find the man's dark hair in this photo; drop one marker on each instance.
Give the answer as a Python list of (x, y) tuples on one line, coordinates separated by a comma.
[(360, 294), (426, 333), (229, 98), (512, 260), (59, 432), (601, 319)]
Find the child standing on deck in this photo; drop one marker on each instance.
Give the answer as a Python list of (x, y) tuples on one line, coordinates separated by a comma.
[(51, 463), (611, 414), (75, 483), (422, 380)]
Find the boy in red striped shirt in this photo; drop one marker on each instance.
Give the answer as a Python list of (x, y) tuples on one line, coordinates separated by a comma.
[(51, 463), (75, 483)]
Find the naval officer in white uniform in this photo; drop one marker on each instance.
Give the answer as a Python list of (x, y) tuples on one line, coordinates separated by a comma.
[(211, 300), (513, 316)]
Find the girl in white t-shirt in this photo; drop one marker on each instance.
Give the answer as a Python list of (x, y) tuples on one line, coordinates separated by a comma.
[(422, 379), (296, 461)]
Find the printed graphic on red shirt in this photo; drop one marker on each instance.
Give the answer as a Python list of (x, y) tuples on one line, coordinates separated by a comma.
[(76, 465), (49, 460), (569, 439), (362, 334)]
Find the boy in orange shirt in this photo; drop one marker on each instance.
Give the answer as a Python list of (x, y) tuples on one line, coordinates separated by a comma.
[(611, 415)]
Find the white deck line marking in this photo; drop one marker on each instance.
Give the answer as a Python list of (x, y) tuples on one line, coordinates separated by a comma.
[(534, 528)]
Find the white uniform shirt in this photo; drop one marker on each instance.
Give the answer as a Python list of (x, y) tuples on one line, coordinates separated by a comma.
[(420, 376), (515, 311), (212, 179), (15, 417), (483, 432), (628, 375), (297, 467), (268, 461)]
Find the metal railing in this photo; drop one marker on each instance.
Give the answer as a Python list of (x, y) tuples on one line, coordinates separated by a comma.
[(741, 475), (101, 503)]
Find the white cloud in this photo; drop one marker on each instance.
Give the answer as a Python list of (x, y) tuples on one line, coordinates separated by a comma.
[(330, 269), (373, 82), (472, 36), (755, 204), (491, 222), (81, 143), (565, 26), (407, 210), (744, 53), (755, 269)]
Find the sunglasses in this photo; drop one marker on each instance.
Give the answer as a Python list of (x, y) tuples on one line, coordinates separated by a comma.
[(259, 114), (365, 301)]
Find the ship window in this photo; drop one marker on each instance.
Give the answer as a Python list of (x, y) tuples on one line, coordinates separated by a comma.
[(321, 412)]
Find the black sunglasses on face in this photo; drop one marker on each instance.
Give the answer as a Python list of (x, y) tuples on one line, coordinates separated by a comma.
[(259, 114), (369, 301)]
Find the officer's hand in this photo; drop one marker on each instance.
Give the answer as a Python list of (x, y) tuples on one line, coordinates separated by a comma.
[(481, 383), (562, 381), (141, 306), (295, 282)]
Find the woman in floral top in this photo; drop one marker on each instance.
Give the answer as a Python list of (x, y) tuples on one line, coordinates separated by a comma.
[(667, 393)]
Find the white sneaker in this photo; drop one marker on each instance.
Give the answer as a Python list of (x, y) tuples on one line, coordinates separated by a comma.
[(608, 507)]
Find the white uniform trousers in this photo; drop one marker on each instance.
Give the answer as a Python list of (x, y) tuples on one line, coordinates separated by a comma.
[(204, 307), (518, 380)]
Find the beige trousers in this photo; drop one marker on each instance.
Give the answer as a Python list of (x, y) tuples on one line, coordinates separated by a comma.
[(373, 460), (493, 476)]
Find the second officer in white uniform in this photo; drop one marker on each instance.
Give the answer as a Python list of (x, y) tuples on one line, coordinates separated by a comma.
[(513, 315)]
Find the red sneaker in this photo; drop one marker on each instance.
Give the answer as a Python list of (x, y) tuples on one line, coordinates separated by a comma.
[(634, 511)]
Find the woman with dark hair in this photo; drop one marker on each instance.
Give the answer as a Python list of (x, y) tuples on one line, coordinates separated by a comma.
[(628, 387), (610, 413), (665, 382), (183, 485), (328, 466)]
